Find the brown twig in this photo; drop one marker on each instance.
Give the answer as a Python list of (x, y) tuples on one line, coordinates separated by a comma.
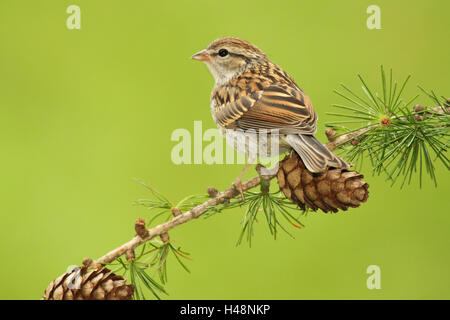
[(165, 237), (345, 138), (129, 254), (216, 199), (139, 227), (354, 137), (175, 211), (195, 212), (144, 235), (212, 192)]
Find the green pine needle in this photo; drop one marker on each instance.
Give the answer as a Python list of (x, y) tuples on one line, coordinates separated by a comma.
[(397, 144), (272, 206)]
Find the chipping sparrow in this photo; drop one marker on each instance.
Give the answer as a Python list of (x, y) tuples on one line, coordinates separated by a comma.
[(251, 92)]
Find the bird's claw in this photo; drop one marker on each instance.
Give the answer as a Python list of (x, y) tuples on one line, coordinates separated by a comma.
[(237, 185)]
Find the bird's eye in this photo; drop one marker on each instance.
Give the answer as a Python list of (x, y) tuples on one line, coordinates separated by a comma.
[(223, 52)]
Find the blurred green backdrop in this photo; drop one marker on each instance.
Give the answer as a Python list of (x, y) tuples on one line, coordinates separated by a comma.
[(83, 112)]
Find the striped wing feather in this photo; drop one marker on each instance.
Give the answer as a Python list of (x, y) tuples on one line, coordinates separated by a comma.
[(280, 107)]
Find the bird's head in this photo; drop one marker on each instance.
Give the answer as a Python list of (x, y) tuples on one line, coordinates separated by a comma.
[(228, 57)]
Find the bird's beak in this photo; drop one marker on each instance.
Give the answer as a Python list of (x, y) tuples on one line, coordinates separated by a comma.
[(202, 56)]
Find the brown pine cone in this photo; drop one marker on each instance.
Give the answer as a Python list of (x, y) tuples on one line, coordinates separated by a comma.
[(89, 283), (329, 191)]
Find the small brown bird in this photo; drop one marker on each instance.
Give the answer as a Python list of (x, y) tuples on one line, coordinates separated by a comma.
[(253, 93)]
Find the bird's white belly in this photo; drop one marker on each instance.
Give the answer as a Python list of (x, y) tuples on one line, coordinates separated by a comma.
[(253, 144), (263, 144)]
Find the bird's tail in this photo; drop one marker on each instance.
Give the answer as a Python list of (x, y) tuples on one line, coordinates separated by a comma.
[(316, 156)]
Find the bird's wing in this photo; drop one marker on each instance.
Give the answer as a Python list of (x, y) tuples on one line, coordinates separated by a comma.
[(279, 107)]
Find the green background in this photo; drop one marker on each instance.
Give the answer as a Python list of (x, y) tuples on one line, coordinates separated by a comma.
[(83, 112)]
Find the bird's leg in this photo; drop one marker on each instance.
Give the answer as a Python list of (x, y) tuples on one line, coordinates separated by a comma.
[(237, 184)]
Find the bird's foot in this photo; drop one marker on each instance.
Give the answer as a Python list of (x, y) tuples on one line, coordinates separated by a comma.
[(237, 185)]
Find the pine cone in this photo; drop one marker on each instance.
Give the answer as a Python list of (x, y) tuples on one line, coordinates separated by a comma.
[(89, 283), (332, 190)]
